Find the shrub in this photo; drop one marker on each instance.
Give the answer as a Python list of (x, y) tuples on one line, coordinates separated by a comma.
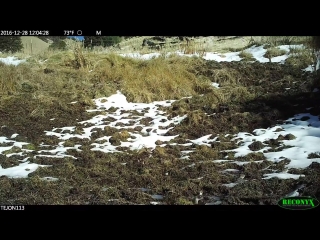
[(246, 55), (104, 41), (58, 45), (274, 52), (10, 44)]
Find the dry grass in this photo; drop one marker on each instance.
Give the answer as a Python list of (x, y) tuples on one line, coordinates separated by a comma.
[(245, 55), (160, 80), (301, 57), (55, 78), (274, 52), (8, 80), (229, 44), (273, 41), (193, 47), (226, 76)]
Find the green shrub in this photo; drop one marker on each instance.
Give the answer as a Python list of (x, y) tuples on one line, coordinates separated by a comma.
[(104, 41), (58, 45), (10, 44)]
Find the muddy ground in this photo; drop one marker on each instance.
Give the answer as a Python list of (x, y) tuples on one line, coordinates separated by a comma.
[(145, 176)]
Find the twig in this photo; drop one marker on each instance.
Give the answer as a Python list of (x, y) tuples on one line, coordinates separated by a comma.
[(302, 83)]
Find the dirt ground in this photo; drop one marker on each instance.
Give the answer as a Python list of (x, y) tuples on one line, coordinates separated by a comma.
[(144, 176)]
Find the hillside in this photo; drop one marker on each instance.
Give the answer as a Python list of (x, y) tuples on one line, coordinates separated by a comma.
[(210, 43), (33, 45)]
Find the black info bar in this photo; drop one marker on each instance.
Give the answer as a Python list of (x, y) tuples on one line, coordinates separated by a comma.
[(54, 32)]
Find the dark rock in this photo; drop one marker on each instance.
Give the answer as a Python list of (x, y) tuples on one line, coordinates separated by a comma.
[(255, 146), (114, 141), (305, 118), (47, 70), (290, 137)]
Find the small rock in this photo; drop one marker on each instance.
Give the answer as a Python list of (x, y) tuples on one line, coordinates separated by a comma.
[(289, 137), (255, 146), (305, 118)]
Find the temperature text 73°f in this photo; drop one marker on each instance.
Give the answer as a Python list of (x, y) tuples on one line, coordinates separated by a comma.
[(68, 32)]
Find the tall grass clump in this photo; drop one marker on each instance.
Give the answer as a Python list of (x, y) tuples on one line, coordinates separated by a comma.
[(274, 52), (80, 61), (300, 57), (193, 47), (9, 79), (151, 80), (246, 56), (273, 41)]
